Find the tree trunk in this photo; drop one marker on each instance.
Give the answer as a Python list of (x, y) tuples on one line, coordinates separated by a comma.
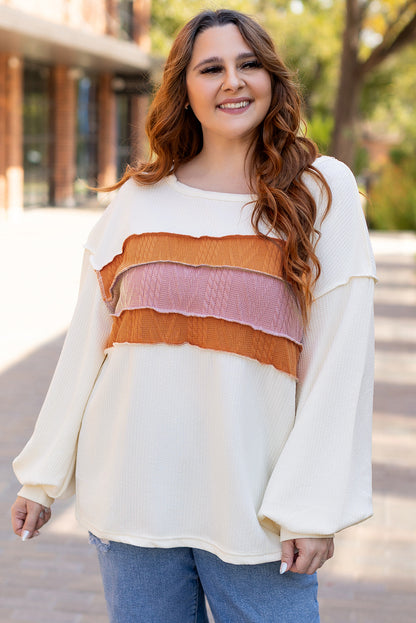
[(343, 140), (353, 72)]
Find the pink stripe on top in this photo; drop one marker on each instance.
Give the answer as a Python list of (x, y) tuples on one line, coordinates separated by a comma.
[(263, 302)]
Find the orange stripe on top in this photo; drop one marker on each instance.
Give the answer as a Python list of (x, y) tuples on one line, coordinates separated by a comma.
[(249, 252), (146, 326)]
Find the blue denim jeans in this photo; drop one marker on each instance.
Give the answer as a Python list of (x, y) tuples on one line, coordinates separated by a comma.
[(158, 585)]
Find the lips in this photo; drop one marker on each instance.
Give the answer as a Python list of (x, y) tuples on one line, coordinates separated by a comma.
[(237, 104), (234, 105)]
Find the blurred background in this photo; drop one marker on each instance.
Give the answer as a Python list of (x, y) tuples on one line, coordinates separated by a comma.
[(76, 79)]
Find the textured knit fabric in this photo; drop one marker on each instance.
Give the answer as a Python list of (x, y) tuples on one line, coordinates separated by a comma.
[(189, 407)]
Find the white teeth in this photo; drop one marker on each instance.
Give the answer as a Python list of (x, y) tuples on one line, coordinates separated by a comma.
[(236, 105)]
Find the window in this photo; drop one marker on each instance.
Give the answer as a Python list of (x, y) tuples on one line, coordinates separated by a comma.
[(87, 137), (37, 134), (125, 17)]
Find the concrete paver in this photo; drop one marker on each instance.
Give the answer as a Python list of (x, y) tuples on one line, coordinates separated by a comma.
[(372, 578)]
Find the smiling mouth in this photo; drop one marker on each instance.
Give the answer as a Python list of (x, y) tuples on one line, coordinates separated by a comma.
[(234, 105)]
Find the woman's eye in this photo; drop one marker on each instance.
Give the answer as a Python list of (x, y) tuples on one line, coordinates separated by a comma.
[(251, 65), (211, 70), (215, 69)]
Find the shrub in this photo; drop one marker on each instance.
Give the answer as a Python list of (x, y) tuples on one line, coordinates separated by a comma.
[(393, 196)]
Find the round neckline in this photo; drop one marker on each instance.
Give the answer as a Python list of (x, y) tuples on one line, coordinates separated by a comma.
[(211, 194)]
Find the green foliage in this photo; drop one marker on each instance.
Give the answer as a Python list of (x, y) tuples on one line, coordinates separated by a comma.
[(308, 35), (399, 155), (389, 103), (168, 17), (361, 161), (378, 87), (392, 93), (310, 44), (393, 196), (320, 129)]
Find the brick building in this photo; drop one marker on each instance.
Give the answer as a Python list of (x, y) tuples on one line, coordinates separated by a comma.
[(74, 84)]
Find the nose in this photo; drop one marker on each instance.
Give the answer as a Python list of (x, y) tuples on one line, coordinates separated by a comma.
[(232, 81)]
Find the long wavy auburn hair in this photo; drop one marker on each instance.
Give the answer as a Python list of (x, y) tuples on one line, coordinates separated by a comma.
[(279, 156)]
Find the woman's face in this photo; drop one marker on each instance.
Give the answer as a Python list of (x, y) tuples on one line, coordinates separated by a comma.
[(228, 90)]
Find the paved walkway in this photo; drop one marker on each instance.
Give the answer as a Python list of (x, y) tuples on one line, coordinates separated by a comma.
[(55, 578), (372, 579)]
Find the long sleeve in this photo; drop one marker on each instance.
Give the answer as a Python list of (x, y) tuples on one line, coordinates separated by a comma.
[(45, 467), (322, 480)]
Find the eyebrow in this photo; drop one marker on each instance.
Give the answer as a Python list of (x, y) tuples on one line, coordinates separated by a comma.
[(217, 59)]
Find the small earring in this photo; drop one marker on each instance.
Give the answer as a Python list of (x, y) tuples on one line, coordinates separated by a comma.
[(187, 106)]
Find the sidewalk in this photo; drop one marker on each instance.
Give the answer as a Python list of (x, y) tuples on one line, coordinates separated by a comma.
[(372, 578)]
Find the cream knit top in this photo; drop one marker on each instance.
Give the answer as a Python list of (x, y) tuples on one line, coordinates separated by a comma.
[(189, 407)]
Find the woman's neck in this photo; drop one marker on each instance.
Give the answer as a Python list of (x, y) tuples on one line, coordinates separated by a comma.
[(218, 168)]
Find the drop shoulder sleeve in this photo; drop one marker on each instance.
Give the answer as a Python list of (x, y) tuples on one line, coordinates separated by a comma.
[(321, 482), (45, 467)]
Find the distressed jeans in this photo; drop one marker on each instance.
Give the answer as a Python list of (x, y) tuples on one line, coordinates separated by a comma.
[(158, 585)]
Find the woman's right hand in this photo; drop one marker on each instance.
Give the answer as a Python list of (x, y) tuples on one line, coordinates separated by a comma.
[(28, 517)]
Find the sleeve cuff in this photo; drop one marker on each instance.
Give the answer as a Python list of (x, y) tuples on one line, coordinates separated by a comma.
[(287, 535), (35, 493)]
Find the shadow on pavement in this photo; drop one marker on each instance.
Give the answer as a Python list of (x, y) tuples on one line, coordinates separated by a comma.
[(394, 398), (392, 310), (389, 264), (387, 346), (23, 387), (55, 576), (347, 601), (394, 480)]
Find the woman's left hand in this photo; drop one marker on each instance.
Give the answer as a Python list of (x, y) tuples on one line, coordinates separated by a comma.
[(306, 555), (28, 517)]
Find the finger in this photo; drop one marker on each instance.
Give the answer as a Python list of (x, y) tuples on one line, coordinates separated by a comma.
[(17, 523), (31, 521), (317, 562), (320, 558), (302, 562), (288, 553), (305, 557), (44, 516), (18, 513)]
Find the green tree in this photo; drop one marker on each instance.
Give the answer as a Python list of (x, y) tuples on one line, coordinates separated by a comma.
[(342, 76), (307, 36), (374, 31), (393, 195), (168, 17)]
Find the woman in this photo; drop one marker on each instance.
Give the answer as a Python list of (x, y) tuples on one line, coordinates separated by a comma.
[(213, 399)]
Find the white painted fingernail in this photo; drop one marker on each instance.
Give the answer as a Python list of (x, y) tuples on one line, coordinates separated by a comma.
[(25, 535), (283, 568)]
